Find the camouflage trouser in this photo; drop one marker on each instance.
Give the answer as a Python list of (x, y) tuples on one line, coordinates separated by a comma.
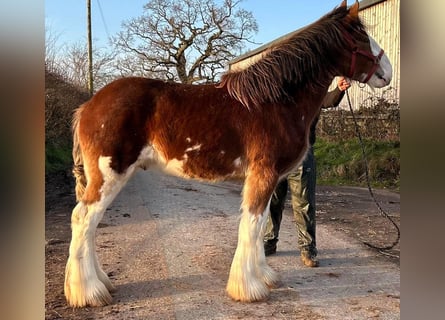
[(302, 186)]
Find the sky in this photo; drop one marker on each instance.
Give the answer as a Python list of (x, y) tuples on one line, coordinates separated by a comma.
[(67, 18)]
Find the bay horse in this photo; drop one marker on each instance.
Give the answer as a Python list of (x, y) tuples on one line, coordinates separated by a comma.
[(253, 124)]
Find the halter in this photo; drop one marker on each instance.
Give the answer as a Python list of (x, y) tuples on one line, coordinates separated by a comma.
[(355, 51)]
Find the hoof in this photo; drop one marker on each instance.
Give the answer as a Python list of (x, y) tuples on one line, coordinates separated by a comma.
[(255, 291), (106, 281), (270, 277), (95, 294), (96, 299)]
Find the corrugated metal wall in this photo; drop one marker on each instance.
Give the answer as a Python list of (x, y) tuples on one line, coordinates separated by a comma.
[(383, 24)]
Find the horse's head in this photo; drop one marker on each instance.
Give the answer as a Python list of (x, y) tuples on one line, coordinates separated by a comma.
[(367, 62)]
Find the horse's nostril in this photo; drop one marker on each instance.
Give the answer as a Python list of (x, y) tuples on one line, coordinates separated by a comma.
[(381, 77)]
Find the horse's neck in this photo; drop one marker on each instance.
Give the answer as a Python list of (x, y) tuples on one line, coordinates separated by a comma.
[(315, 87), (308, 105), (312, 96)]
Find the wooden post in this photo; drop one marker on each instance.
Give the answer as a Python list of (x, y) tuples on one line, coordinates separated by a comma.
[(90, 49)]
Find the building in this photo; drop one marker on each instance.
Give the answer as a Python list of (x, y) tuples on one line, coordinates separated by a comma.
[(382, 18)]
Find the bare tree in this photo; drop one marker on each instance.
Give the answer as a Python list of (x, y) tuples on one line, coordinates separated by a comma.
[(74, 65), (51, 48), (70, 61), (186, 40)]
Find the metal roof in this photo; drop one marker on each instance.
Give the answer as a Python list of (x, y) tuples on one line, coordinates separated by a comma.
[(363, 5)]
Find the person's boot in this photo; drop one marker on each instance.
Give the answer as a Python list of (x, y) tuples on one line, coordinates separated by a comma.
[(309, 259), (270, 247)]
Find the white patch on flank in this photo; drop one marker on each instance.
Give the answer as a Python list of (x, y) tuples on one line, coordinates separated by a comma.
[(151, 157), (113, 182), (188, 140), (222, 152), (175, 167), (237, 162), (196, 147), (111, 178), (148, 153), (102, 126)]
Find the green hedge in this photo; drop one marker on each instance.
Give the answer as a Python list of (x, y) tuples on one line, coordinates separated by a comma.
[(341, 163), (57, 158)]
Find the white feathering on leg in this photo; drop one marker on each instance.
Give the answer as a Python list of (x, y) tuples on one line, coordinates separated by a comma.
[(244, 283), (266, 273), (82, 286)]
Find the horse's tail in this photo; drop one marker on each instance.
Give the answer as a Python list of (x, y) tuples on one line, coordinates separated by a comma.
[(78, 170)]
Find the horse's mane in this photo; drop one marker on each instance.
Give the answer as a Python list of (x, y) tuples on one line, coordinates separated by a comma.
[(293, 62)]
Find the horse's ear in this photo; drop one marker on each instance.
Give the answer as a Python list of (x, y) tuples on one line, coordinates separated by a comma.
[(353, 11), (343, 3)]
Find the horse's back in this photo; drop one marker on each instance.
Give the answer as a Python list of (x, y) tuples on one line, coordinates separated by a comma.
[(196, 131), (195, 127)]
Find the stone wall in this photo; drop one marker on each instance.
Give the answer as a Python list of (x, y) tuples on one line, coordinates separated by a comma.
[(380, 122)]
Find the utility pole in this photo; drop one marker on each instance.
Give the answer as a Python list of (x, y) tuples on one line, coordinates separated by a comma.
[(90, 49)]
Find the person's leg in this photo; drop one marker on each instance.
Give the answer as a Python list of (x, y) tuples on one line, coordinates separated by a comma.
[(274, 218), (302, 185)]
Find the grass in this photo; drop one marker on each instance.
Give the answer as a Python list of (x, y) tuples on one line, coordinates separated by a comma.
[(341, 163)]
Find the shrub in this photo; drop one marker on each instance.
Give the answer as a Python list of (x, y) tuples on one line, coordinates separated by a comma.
[(61, 98)]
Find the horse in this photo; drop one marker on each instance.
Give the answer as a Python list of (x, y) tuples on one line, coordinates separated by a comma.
[(254, 124)]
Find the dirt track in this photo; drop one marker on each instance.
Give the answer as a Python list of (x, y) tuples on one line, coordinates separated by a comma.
[(167, 245)]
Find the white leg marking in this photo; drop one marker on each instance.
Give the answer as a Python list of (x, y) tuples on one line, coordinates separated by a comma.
[(250, 275), (82, 286), (266, 273), (85, 281), (103, 277)]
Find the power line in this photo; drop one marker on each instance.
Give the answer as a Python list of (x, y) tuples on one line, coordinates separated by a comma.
[(103, 19)]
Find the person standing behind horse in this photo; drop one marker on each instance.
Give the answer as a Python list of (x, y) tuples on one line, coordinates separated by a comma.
[(302, 185)]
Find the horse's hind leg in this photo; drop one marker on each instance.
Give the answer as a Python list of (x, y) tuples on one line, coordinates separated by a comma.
[(85, 282), (82, 285), (103, 277), (250, 276)]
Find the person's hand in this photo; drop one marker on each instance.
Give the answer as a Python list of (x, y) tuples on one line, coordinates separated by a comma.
[(343, 84)]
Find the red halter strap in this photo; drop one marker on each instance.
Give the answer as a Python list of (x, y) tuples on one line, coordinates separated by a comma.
[(355, 51)]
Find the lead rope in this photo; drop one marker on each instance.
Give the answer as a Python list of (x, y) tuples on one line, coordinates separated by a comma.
[(382, 212)]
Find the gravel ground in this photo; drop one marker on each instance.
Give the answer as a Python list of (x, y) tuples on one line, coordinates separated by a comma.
[(167, 244)]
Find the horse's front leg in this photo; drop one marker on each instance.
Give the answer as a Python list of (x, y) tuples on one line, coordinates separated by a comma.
[(250, 277)]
